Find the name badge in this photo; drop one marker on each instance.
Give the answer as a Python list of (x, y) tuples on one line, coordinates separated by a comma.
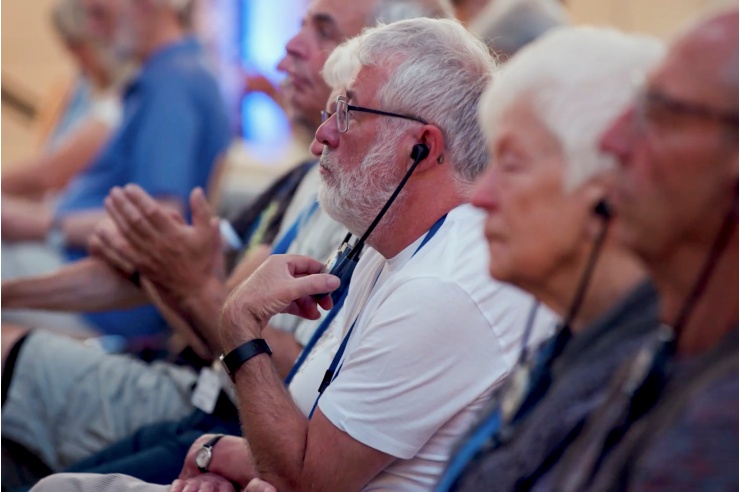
[(206, 391)]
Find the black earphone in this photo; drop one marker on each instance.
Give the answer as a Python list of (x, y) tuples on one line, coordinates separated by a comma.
[(419, 152), (603, 210), (348, 256)]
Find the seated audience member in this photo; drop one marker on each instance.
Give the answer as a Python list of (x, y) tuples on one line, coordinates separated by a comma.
[(548, 233), (423, 330), (174, 127), (72, 288), (508, 25), (671, 415), (88, 114)]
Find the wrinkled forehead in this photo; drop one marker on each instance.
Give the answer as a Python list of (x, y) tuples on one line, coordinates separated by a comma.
[(364, 86), (699, 66)]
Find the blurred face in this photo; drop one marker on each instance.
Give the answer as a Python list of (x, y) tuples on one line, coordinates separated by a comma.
[(326, 24), (678, 170), (134, 28), (102, 18), (359, 168), (534, 228)]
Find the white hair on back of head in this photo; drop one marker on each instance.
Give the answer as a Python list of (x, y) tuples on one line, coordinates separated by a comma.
[(578, 79), (437, 72), (388, 11), (506, 26), (339, 66)]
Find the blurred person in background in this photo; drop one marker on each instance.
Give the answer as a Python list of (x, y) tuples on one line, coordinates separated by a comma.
[(670, 421), (89, 112), (506, 26), (548, 230), (174, 128)]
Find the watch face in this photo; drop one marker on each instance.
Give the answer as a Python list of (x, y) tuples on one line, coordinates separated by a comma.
[(203, 458)]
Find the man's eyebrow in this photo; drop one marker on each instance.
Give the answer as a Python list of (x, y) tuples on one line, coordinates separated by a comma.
[(350, 95), (320, 18)]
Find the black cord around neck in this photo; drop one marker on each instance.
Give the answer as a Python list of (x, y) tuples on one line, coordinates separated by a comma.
[(721, 240), (361, 242), (585, 280)]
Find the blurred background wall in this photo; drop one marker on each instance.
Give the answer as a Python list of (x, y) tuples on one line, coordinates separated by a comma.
[(35, 69)]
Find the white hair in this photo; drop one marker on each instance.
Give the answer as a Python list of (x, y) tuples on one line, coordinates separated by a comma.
[(339, 66), (578, 79), (437, 72), (388, 11), (506, 26)]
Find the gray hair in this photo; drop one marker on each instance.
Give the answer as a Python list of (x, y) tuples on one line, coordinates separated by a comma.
[(388, 11), (506, 26), (438, 72), (579, 79), (68, 19), (339, 67)]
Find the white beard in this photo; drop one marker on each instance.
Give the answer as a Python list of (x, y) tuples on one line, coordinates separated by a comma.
[(354, 197)]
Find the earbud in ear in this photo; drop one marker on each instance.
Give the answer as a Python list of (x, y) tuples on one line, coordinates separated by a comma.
[(419, 152), (603, 210)]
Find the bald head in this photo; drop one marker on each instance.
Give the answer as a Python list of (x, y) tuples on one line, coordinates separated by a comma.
[(710, 48)]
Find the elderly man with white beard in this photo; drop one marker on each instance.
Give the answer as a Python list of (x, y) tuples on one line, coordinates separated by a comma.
[(424, 335)]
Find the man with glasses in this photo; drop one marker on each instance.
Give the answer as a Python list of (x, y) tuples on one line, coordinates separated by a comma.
[(672, 411), (108, 397), (424, 335)]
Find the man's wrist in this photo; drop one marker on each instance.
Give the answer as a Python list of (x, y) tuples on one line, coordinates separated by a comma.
[(236, 358)]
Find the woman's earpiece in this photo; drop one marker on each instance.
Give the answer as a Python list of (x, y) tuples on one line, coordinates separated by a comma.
[(603, 210)]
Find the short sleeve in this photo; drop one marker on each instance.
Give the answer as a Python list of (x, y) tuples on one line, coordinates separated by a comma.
[(417, 364)]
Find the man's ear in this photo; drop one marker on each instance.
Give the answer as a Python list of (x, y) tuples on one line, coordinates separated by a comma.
[(433, 138)]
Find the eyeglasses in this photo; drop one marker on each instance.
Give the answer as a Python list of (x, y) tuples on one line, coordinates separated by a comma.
[(652, 105), (343, 109)]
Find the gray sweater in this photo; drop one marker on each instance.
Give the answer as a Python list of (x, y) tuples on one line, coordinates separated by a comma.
[(580, 379)]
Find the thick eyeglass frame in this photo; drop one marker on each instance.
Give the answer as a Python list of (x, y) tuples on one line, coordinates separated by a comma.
[(650, 98), (343, 109)]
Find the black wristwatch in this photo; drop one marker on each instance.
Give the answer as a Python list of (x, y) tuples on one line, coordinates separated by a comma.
[(205, 454), (237, 357)]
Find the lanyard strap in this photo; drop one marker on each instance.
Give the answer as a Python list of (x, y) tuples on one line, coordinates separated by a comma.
[(490, 433), (334, 368), (468, 451), (315, 338), (282, 246)]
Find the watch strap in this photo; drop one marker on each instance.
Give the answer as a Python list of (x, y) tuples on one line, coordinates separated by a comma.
[(209, 446), (237, 357)]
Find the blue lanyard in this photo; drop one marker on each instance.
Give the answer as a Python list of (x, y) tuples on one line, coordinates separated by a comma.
[(334, 368), (282, 246), (315, 337), (488, 433), (468, 450)]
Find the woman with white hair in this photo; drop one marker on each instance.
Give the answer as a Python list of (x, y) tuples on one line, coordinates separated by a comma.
[(548, 233)]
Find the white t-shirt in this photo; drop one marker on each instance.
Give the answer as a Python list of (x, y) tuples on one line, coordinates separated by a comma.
[(435, 335)]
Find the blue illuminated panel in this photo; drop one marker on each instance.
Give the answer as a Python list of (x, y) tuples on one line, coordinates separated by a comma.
[(265, 28)]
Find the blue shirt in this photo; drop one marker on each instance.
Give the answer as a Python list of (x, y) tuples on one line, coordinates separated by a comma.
[(174, 128)]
